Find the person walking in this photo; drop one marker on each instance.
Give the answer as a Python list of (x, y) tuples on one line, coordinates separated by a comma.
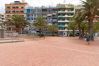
[(88, 38)]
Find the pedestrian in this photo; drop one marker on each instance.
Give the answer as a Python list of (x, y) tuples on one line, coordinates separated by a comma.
[(88, 38)]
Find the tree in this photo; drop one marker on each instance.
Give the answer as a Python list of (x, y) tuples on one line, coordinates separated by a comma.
[(8, 23), (72, 26), (84, 28), (1, 30), (40, 25), (19, 22), (90, 8), (79, 17), (53, 29), (96, 27)]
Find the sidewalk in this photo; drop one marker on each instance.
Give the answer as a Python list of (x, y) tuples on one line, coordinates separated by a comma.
[(10, 40)]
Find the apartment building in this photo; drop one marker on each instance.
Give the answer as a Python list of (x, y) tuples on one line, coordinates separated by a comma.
[(15, 8), (48, 13), (60, 15), (29, 14), (51, 15), (65, 13), (2, 17)]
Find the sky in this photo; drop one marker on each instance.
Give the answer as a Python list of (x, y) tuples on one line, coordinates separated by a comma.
[(38, 3)]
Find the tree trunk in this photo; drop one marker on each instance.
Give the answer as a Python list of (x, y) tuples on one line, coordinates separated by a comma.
[(40, 32), (1, 33), (73, 33), (83, 33), (90, 29), (80, 32)]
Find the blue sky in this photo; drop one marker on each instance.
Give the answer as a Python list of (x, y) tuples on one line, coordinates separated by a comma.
[(35, 3)]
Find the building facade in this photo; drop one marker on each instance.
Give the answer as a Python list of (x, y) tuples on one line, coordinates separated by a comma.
[(59, 15), (65, 13), (2, 17), (29, 14), (51, 15), (15, 8)]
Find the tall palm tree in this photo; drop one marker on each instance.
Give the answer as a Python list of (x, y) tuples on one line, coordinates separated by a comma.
[(84, 28), (91, 8), (72, 26), (79, 17)]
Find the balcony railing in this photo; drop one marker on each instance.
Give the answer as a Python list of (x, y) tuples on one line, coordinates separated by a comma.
[(63, 20), (69, 11), (61, 11), (66, 11)]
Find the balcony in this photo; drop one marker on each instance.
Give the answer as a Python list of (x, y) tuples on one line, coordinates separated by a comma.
[(69, 11), (61, 16), (62, 26), (61, 11), (54, 20), (68, 16), (65, 16), (63, 21), (66, 25), (63, 30)]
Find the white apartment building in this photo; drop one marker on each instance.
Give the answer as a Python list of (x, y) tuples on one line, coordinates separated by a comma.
[(65, 13)]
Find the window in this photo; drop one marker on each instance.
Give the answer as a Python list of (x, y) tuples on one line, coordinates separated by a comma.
[(17, 11), (13, 11), (17, 7), (45, 10), (13, 7), (8, 7), (22, 7), (31, 18), (61, 28), (28, 10), (8, 15), (61, 24), (7, 11), (21, 11), (28, 18), (2, 15)]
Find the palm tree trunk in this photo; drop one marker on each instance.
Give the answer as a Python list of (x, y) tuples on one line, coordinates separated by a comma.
[(80, 32), (73, 33), (90, 29), (83, 33)]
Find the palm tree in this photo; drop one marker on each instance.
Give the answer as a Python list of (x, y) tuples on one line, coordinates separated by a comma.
[(91, 8), (72, 26), (84, 28), (79, 17), (96, 27)]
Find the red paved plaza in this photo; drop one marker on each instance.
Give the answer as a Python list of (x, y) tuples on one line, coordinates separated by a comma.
[(51, 51)]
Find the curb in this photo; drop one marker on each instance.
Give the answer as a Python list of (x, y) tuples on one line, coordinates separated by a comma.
[(11, 41)]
